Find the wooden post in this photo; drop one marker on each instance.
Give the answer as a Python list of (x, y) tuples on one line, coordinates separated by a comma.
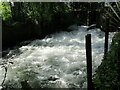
[(118, 60), (106, 38), (89, 62), (0, 37)]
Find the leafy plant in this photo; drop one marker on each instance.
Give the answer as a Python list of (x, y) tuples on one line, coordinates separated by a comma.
[(107, 76), (5, 11)]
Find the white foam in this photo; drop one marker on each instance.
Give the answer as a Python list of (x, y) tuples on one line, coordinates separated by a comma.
[(58, 61)]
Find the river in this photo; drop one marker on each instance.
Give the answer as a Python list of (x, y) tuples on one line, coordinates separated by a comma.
[(57, 61)]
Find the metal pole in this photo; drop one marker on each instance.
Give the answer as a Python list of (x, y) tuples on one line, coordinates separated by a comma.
[(89, 62)]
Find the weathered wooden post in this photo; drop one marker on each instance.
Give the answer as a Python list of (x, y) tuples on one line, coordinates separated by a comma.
[(89, 62), (118, 60), (0, 37), (106, 38)]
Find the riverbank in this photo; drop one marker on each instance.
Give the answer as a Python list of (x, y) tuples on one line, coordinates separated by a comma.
[(107, 76)]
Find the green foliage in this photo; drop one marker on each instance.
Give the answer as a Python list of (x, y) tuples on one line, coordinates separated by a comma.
[(48, 15), (5, 10), (107, 76)]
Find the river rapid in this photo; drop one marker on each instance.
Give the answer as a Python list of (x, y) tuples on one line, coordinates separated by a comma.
[(57, 61)]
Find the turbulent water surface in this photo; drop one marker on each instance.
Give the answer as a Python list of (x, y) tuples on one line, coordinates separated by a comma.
[(57, 61)]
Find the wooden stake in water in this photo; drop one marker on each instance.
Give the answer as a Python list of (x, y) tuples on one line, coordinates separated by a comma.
[(106, 39), (89, 62)]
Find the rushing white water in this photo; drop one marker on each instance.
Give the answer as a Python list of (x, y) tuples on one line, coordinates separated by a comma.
[(57, 61)]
